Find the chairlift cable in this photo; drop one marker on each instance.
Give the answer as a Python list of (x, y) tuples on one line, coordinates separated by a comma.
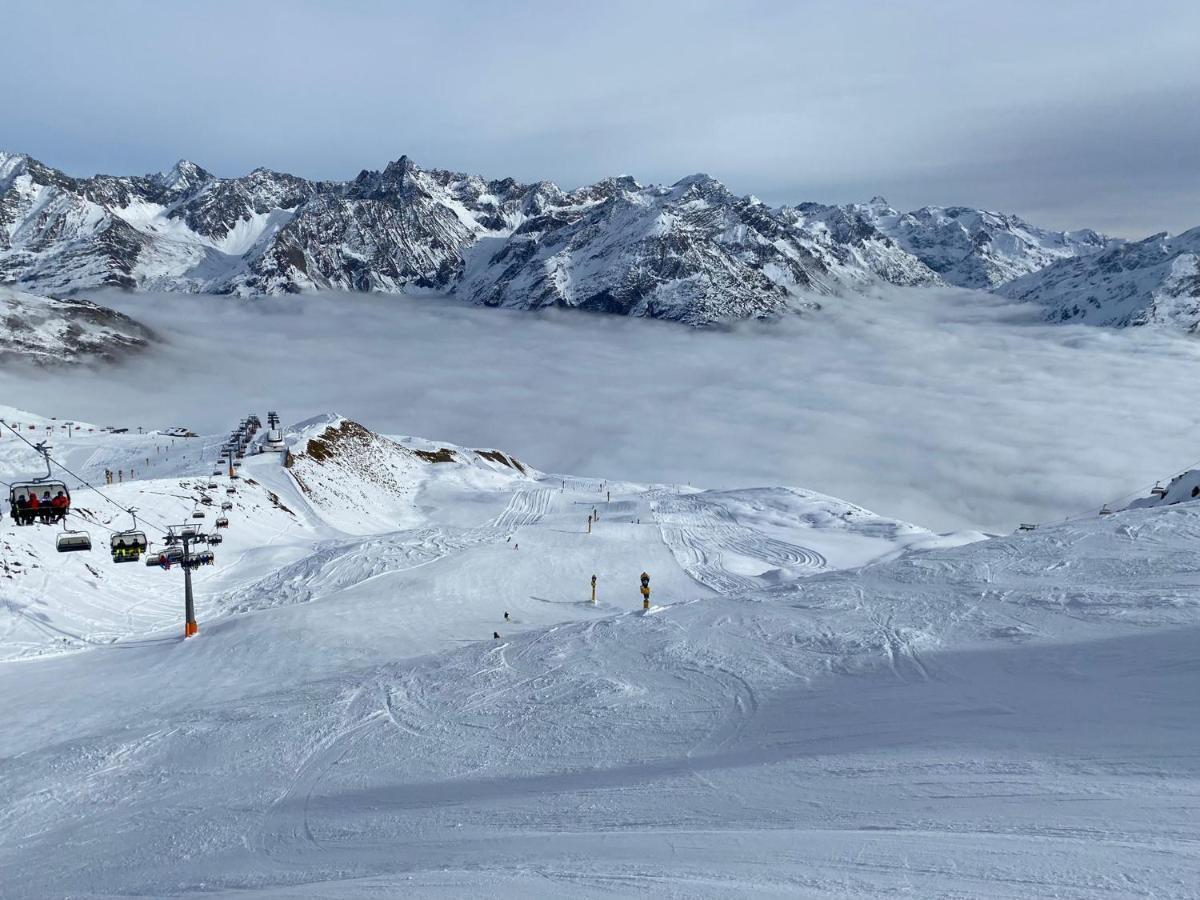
[(83, 481)]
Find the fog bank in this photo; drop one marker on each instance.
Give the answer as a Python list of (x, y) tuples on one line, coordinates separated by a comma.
[(948, 408)]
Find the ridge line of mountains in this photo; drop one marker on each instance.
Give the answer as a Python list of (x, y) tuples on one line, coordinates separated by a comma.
[(692, 252)]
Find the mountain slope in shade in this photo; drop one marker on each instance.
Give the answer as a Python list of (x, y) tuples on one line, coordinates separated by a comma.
[(692, 252), (52, 331), (1152, 281)]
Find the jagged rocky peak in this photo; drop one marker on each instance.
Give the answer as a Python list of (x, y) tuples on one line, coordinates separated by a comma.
[(397, 181), (700, 186), (183, 177)]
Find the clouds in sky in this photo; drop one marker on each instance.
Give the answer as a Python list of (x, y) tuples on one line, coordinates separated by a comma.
[(948, 408), (1073, 114)]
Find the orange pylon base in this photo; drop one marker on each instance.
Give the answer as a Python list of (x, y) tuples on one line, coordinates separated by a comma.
[(191, 629)]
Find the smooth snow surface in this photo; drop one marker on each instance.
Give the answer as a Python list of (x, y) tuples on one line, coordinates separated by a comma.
[(1012, 717)]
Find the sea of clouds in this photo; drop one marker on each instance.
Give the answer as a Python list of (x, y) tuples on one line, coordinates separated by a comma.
[(952, 409)]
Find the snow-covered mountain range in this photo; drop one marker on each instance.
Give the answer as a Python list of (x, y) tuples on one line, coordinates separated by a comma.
[(48, 331), (1152, 281), (692, 252)]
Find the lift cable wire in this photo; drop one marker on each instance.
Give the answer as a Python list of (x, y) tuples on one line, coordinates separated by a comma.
[(45, 453)]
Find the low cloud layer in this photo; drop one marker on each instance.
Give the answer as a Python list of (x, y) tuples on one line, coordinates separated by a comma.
[(948, 408)]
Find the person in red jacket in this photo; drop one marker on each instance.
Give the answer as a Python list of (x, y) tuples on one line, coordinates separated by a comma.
[(32, 509), (60, 503)]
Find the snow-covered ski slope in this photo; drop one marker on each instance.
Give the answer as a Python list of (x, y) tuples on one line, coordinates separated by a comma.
[(823, 702)]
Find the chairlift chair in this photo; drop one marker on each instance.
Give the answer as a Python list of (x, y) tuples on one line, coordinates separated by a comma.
[(231, 490), (215, 539), (71, 541), (21, 492), (128, 546), (1105, 511), (226, 504), (1026, 526), (197, 513), (1158, 490), (222, 522)]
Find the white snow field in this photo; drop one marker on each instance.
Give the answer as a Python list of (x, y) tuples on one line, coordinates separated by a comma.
[(821, 702)]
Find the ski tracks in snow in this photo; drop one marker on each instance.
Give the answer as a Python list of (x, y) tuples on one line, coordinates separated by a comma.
[(700, 533), (339, 566)]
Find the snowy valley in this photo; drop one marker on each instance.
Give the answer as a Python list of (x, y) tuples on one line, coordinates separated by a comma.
[(819, 700)]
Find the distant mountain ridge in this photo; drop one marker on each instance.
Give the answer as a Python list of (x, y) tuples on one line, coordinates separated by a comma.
[(48, 331), (1155, 281), (692, 252)]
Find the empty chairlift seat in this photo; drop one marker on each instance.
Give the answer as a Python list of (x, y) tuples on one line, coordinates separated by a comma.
[(71, 541)]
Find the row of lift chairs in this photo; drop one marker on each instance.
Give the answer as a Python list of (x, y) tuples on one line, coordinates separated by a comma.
[(131, 544)]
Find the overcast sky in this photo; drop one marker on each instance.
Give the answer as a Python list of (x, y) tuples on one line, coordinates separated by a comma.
[(1071, 114)]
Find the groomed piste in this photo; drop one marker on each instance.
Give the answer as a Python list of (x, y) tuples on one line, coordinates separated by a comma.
[(401, 686)]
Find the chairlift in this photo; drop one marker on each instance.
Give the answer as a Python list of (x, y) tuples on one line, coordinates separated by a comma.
[(231, 490), (222, 522), (1158, 490), (212, 485), (71, 541), (1105, 511), (206, 500), (128, 546), (226, 504), (22, 493), (215, 539), (197, 513), (1027, 526)]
